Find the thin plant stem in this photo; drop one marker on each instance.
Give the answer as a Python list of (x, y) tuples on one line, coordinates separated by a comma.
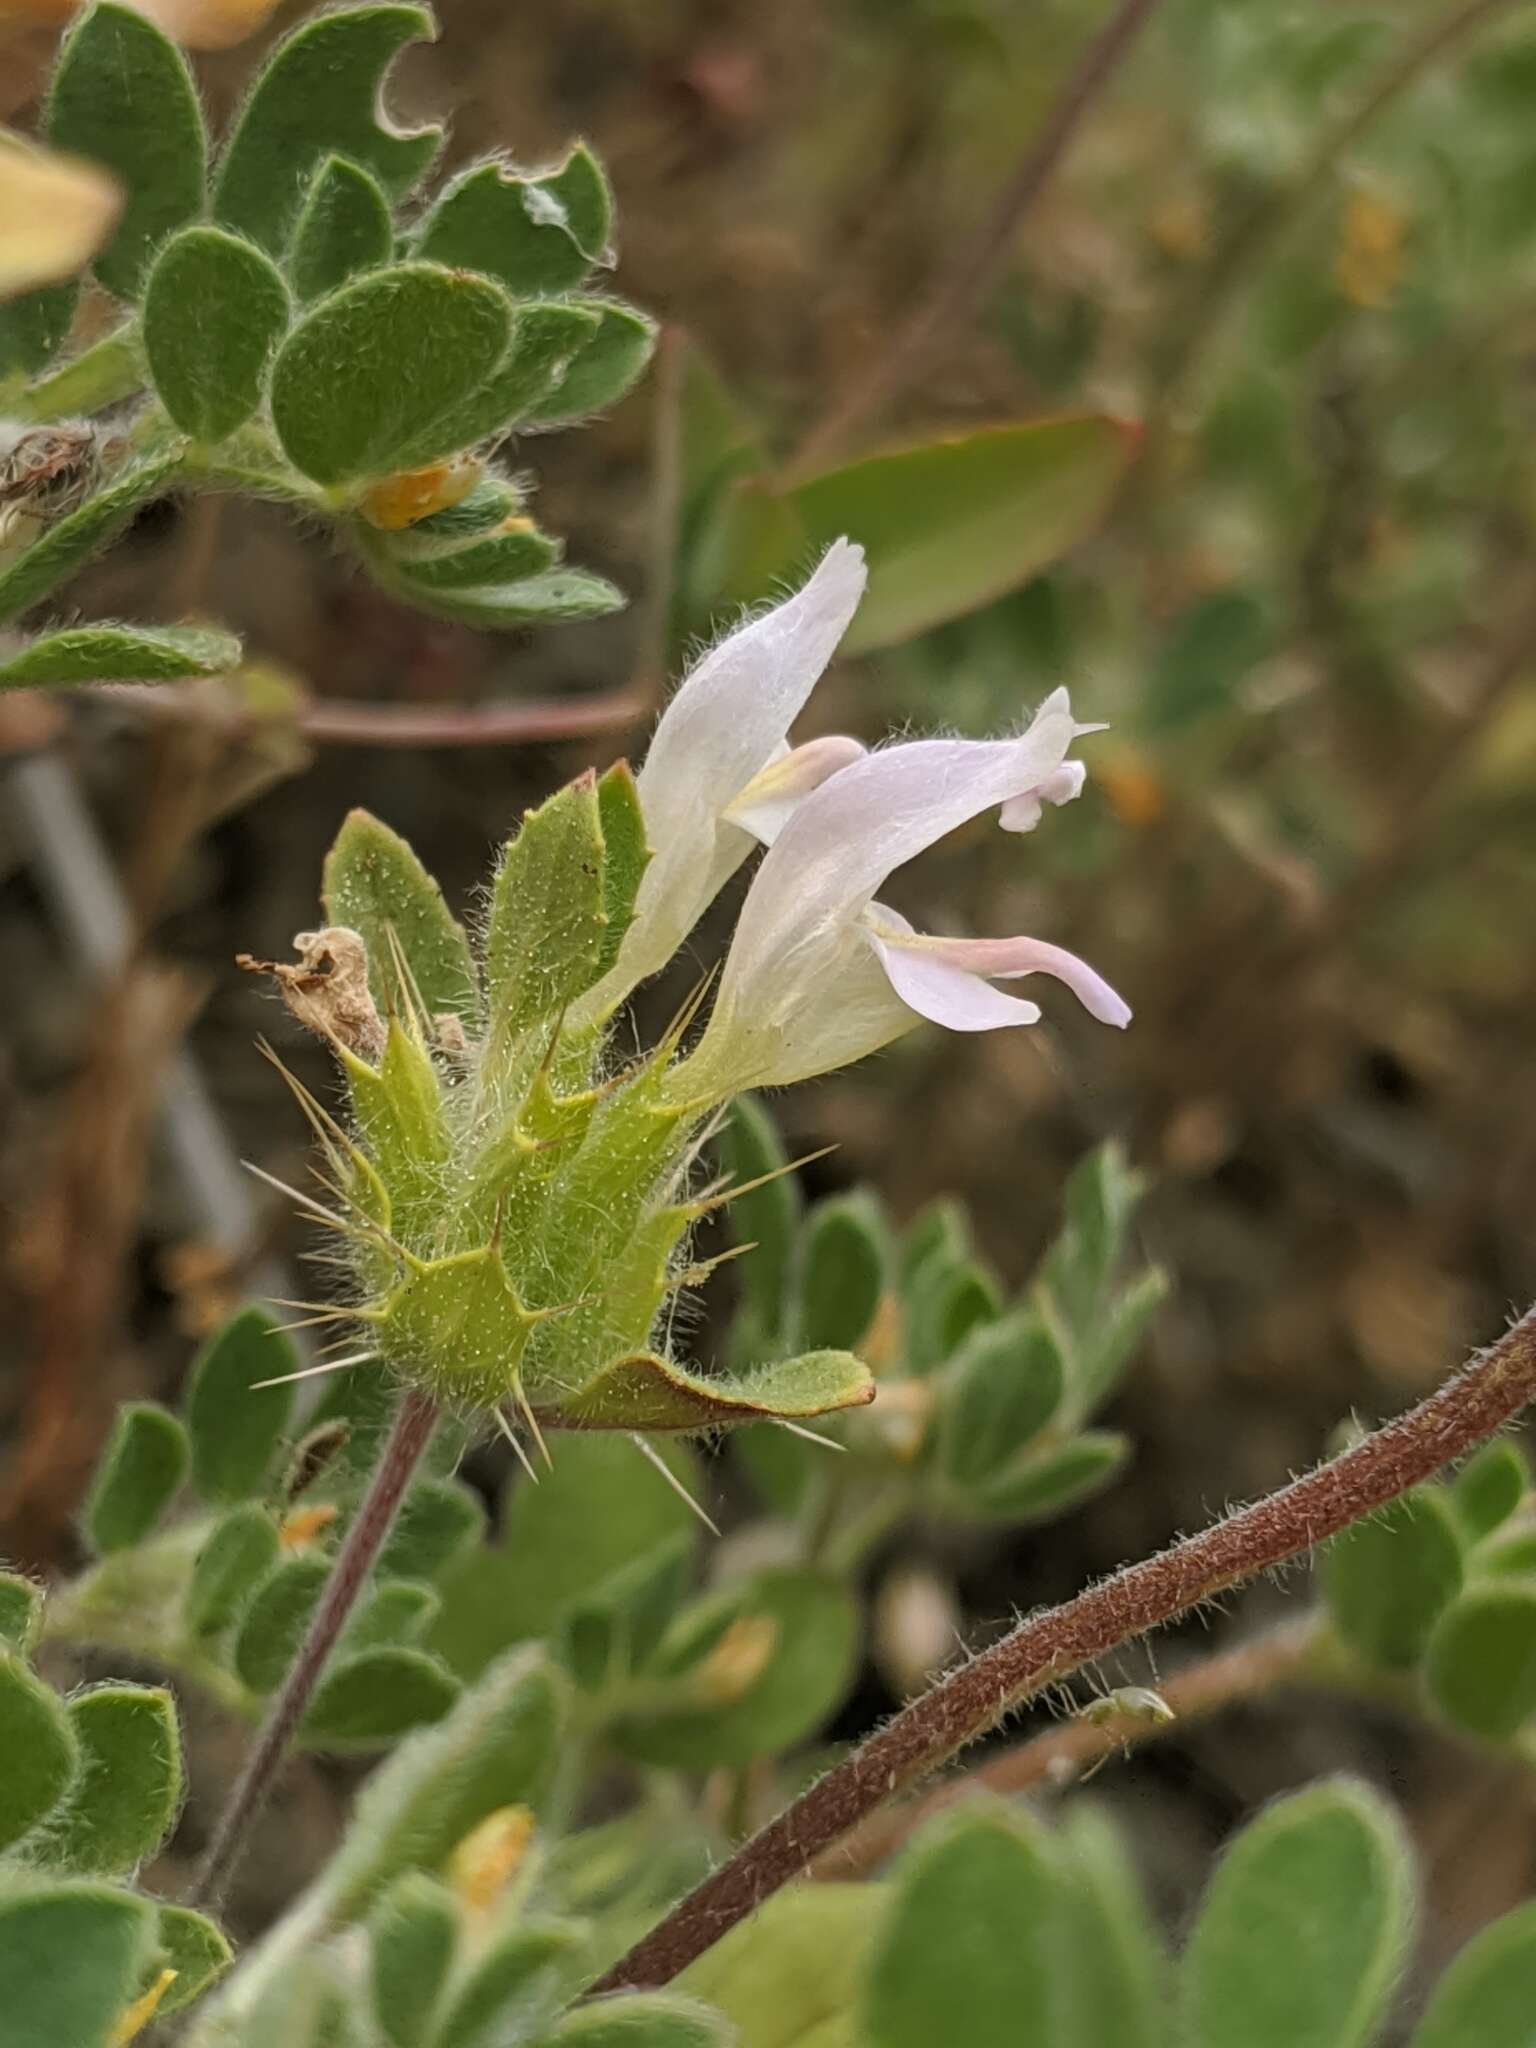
[(958, 292), (1471, 1407), (1261, 1665), (381, 1503), (343, 721)]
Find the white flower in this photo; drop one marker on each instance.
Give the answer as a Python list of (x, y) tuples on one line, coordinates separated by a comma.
[(720, 775), (820, 973)]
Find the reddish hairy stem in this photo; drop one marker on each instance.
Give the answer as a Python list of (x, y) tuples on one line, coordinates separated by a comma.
[(1465, 1412), (374, 1519), (1259, 1665)]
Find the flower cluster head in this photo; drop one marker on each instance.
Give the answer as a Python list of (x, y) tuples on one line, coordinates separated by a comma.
[(518, 1204)]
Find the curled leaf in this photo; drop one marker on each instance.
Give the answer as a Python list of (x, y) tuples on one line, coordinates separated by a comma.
[(648, 1392)]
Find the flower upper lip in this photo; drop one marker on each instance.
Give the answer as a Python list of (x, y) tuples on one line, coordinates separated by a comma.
[(725, 730)]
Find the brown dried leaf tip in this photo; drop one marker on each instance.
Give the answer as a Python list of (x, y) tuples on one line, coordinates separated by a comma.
[(328, 990)]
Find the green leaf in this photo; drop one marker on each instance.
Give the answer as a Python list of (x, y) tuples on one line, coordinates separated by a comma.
[(940, 1233), (412, 1935), (127, 1791), (626, 856), (368, 381), (1487, 1997), (647, 2020), (439, 1521), (235, 1423), (370, 1699), (1488, 1488), (375, 884), (1511, 1553), (121, 654), (71, 1958), (547, 335), (1117, 1987), (947, 525), (945, 1303), (511, 1985), (491, 1599), (1111, 1341), (544, 940), (343, 228), (646, 1392), (320, 95), (1004, 1386), (399, 1612), (797, 1964), (604, 369), (141, 1469), (536, 235), (509, 556), (33, 328), (497, 1748), (808, 1651), (122, 95), (1050, 1482), (557, 597), (196, 1949), (1389, 1578), (215, 308), (767, 1217), (21, 1613), (37, 1741), (969, 1947), (1303, 1926), (1099, 1200), (70, 543), (841, 1272), (1480, 1665), (231, 1564), (273, 1624), (617, 1627), (491, 503)]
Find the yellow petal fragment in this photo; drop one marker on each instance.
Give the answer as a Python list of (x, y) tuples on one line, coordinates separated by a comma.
[(132, 2021), (737, 1661), (486, 1861), (55, 213), (396, 502), (300, 1529)]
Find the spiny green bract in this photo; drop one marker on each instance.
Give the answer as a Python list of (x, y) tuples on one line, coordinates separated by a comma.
[(514, 1203)]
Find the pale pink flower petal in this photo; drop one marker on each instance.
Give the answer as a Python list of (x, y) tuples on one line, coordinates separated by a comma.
[(819, 973), (949, 981), (1022, 813)]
